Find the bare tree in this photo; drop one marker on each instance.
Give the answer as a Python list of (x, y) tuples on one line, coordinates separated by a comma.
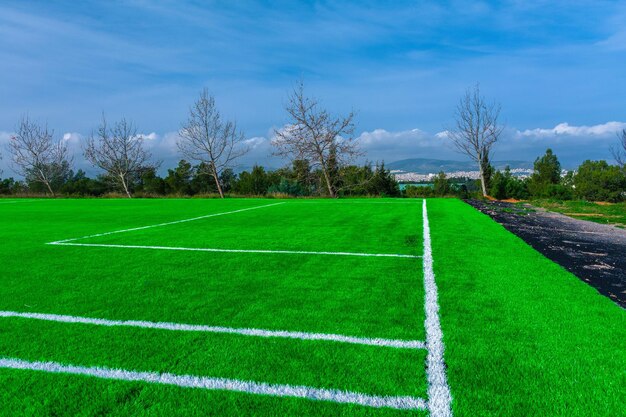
[(476, 129), (119, 151), (313, 134), (619, 151), (37, 156), (206, 138)]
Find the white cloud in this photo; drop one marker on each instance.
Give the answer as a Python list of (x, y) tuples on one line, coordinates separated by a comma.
[(572, 143), (5, 137), (381, 139), (71, 137), (605, 129), (149, 136), (284, 130), (255, 142), (381, 144), (72, 140)]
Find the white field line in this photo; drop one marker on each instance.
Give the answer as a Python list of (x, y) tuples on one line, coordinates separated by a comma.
[(20, 201), (393, 343), (297, 252), (167, 223), (340, 202), (439, 397), (224, 384)]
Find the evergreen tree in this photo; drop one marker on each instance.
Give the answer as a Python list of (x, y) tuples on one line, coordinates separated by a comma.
[(383, 183), (599, 181), (441, 185), (546, 174), (178, 180), (228, 179), (255, 182)]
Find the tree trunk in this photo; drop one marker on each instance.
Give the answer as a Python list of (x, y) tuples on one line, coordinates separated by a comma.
[(49, 188), (217, 182), (483, 186), (125, 186), (331, 191)]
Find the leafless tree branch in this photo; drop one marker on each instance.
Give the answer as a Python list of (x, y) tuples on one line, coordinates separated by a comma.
[(119, 151), (206, 137), (476, 129), (37, 156), (619, 151), (315, 135)]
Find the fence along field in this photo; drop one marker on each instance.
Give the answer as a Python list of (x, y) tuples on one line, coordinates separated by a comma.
[(321, 307)]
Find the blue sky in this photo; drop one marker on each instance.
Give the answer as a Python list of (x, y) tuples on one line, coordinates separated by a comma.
[(557, 68)]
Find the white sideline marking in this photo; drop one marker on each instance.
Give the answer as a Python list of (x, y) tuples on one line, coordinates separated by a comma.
[(439, 397), (208, 383), (167, 223), (298, 252), (394, 343)]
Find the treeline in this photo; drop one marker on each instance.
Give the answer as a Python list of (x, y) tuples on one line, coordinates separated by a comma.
[(320, 147), (320, 150), (591, 181), (298, 180)]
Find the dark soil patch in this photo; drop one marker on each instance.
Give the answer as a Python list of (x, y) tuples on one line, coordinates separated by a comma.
[(595, 253)]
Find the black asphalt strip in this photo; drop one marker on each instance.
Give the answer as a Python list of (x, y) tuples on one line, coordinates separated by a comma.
[(595, 253)]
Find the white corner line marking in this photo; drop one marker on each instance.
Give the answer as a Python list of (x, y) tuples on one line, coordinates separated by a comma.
[(439, 397), (167, 223), (266, 251), (393, 343), (224, 384)]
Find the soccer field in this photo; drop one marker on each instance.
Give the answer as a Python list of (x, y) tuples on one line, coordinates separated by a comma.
[(266, 307)]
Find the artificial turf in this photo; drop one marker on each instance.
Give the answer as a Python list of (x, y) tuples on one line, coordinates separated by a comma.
[(522, 336), (354, 296)]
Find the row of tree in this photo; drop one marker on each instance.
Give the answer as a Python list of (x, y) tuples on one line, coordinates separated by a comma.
[(477, 130), (592, 180), (185, 179), (311, 136), (320, 148)]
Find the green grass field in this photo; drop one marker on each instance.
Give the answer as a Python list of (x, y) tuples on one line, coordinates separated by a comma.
[(346, 278)]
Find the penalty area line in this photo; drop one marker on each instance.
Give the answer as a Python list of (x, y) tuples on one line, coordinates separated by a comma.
[(393, 343), (223, 384), (265, 251), (167, 223), (21, 201)]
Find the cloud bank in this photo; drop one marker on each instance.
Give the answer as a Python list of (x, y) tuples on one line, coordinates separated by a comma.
[(576, 131)]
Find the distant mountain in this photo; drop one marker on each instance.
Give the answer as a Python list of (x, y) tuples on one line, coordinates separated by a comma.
[(426, 166)]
